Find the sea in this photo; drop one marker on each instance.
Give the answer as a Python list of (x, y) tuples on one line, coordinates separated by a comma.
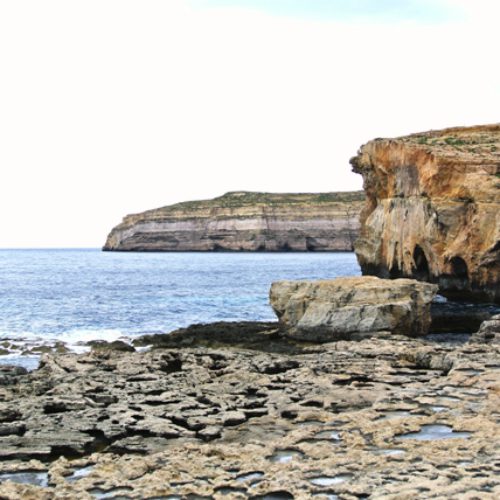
[(72, 296)]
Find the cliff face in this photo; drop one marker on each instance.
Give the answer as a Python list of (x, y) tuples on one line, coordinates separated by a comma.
[(432, 210), (245, 221)]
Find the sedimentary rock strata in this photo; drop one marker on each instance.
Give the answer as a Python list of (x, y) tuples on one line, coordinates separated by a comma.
[(433, 210), (245, 221), (352, 308), (403, 418)]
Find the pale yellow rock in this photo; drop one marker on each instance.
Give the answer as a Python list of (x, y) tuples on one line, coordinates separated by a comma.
[(352, 307), (433, 209)]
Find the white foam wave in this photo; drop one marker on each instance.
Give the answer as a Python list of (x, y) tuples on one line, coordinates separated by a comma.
[(75, 340)]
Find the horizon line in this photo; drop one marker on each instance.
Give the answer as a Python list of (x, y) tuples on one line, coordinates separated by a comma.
[(52, 248)]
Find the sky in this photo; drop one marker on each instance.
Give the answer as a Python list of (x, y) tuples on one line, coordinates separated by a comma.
[(111, 107)]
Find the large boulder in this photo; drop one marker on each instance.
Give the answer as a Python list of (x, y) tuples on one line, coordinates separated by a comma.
[(352, 308), (433, 210)]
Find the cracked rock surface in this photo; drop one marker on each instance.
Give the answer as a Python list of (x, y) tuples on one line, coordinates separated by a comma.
[(230, 416)]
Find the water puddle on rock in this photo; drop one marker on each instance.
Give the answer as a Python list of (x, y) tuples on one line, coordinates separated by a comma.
[(275, 495), (26, 477), (168, 497), (285, 456), (438, 409), (250, 476), (80, 473), (434, 432), (390, 452), (114, 493), (308, 423), (448, 338), (469, 371), (329, 480), (330, 435), (390, 415), (228, 491)]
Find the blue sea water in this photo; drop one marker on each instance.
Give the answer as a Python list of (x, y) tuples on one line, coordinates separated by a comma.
[(77, 295)]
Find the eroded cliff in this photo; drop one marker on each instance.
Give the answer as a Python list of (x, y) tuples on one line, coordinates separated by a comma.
[(432, 209), (245, 221)]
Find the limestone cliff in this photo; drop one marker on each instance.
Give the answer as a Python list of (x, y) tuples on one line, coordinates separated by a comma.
[(245, 221), (432, 209)]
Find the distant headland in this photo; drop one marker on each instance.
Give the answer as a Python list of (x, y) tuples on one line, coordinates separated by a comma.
[(245, 221)]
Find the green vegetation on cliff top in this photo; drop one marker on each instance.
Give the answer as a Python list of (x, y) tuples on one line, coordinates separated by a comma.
[(235, 199), (482, 141)]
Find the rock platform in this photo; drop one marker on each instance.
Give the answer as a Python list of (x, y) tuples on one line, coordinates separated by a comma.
[(236, 411)]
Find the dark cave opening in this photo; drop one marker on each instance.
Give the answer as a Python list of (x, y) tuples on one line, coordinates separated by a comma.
[(421, 265), (459, 268)]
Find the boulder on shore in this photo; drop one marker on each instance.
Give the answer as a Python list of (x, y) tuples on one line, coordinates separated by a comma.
[(352, 308)]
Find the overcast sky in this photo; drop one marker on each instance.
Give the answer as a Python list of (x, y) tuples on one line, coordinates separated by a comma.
[(109, 107)]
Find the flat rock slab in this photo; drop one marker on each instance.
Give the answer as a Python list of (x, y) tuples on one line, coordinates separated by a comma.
[(380, 418), (352, 308)]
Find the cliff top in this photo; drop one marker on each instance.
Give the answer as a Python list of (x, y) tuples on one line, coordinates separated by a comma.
[(237, 199), (476, 144)]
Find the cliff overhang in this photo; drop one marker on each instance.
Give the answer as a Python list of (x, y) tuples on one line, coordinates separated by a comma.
[(432, 210)]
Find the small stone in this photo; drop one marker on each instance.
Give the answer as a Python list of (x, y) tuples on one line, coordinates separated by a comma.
[(231, 418), (13, 428), (209, 433)]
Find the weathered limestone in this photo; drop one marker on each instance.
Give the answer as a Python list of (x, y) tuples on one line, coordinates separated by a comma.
[(355, 307), (433, 210), (245, 221), (380, 419), (489, 332)]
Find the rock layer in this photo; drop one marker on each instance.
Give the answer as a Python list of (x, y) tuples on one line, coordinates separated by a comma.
[(391, 419), (433, 210), (245, 221), (351, 308)]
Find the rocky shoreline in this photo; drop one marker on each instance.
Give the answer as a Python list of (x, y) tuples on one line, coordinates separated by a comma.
[(239, 411), (345, 397)]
